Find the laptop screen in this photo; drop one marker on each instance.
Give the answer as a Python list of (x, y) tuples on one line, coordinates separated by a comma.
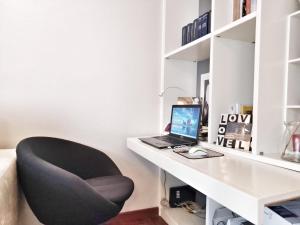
[(185, 120)]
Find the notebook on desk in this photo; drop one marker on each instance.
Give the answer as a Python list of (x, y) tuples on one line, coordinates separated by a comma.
[(185, 122)]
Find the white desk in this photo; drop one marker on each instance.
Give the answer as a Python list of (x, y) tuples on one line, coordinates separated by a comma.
[(242, 185)]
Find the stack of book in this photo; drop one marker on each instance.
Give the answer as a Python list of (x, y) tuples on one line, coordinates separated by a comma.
[(242, 8), (197, 29), (203, 133)]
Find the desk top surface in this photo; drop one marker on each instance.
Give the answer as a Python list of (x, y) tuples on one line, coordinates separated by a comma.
[(258, 180)]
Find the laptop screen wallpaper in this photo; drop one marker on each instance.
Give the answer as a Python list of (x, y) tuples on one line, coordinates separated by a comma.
[(185, 122)]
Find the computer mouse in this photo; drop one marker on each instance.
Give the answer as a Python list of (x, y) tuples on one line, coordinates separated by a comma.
[(197, 150)]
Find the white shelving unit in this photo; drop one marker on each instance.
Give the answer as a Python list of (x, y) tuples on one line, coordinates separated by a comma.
[(250, 62), (292, 90), (245, 66)]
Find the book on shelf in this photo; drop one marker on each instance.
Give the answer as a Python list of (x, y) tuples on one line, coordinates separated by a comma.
[(248, 7), (205, 29), (236, 10), (197, 27), (184, 37), (242, 8), (253, 5), (200, 27), (189, 32), (246, 109)]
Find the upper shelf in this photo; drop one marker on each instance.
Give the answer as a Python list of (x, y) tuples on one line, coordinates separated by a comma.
[(295, 61), (242, 29), (197, 50), (296, 14), (293, 106)]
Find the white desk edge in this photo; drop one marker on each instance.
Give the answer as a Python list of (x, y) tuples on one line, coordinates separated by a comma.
[(248, 203)]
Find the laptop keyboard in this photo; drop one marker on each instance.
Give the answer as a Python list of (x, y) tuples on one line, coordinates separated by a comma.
[(171, 140)]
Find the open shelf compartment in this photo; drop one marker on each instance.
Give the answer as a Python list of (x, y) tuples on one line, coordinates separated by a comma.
[(294, 33), (293, 90), (179, 216)]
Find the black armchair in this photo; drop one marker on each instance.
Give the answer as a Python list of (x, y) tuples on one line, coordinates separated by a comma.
[(66, 183)]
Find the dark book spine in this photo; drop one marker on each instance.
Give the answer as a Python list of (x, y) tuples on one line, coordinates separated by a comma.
[(204, 29), (236, 9), (197, 27), (209, 22), (184, 35), (189, 32), (195, 36), (192, 33), (244, 10)]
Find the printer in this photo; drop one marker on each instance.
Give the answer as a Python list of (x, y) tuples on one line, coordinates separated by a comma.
[(285, 213)]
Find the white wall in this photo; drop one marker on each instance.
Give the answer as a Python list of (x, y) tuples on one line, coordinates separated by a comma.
[(85, 70)]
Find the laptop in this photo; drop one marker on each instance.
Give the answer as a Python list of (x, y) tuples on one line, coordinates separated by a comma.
[(185, 124)]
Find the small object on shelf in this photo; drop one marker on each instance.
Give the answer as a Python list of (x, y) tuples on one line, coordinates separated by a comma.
[(189, 33), (283, 213), (197, 25), (243, 10), (291, 142), (168, 128), (205, 28), (204, 95), (236, 9), (234, 109), (248, 7), (188, 101), (221, 216), (238, 221), (203, 133), (246, 109), (235, 131), (253, 5), (197, 29), (184, 35), (181, 194), (296, 142)]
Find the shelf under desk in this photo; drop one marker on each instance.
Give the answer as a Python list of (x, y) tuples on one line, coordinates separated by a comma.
[(242, 185)]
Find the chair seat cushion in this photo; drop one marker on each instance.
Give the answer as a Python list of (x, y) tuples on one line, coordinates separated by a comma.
[(114, 188)]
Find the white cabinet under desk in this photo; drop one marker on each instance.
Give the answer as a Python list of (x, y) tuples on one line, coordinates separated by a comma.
[(242, 185)]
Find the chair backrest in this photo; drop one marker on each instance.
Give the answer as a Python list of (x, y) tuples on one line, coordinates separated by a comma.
[(51, 174)]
